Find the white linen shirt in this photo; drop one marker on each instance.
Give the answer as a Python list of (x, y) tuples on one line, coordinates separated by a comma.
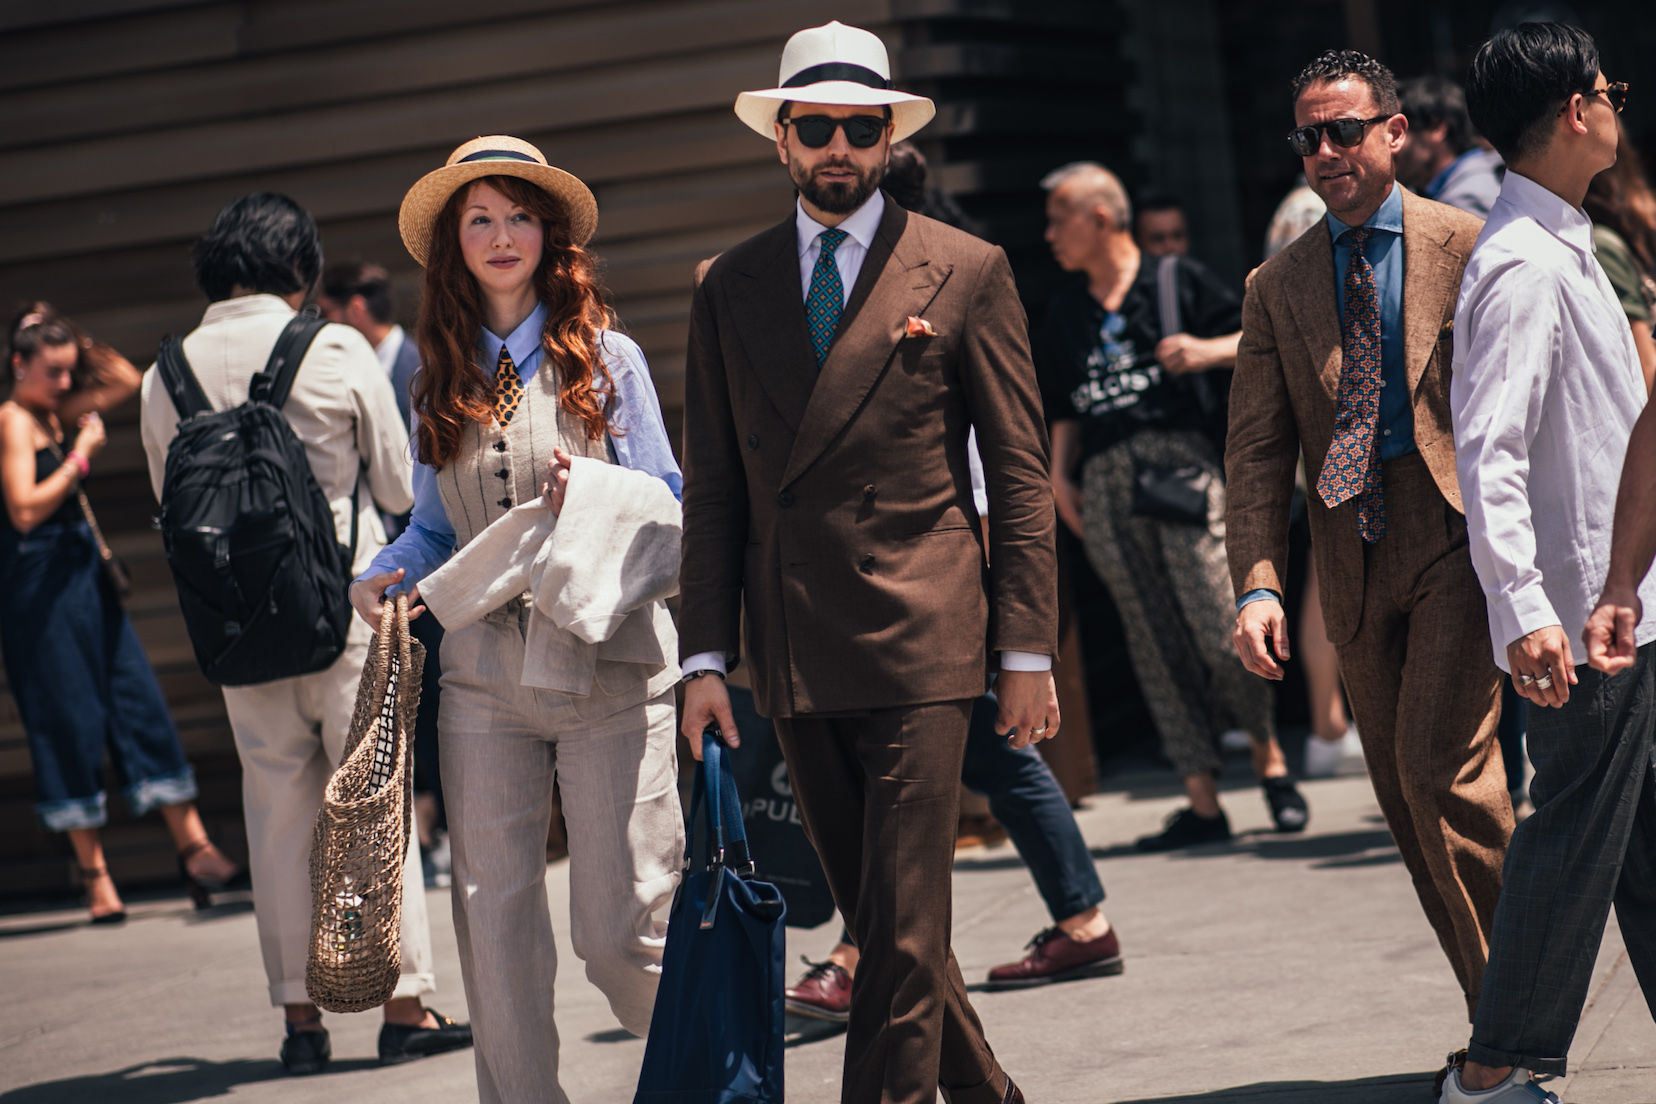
[(1545, 391), (388, 348)]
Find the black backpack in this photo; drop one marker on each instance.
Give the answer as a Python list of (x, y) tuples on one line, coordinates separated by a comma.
[(261, 575)]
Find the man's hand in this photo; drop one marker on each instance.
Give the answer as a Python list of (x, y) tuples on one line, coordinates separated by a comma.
[(1067, 495), (1609, 631), (1182, 354), (1542, 668), (707, 702), (1256, 623), (1028, 707)]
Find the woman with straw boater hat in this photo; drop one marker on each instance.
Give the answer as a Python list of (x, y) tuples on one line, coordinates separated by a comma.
[(526, 392)]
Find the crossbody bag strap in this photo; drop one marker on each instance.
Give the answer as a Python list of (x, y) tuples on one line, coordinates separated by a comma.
[(104, 552)]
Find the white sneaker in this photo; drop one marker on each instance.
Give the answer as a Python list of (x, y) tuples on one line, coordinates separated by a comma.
[(1323, 758), (1518, 1088)]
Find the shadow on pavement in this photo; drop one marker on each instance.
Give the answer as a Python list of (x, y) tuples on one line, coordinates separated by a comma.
[(1362, 1090), (172, 1081), (1366, 847), (798, 1030)]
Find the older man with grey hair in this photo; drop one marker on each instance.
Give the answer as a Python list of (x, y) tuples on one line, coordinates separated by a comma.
[(1127, 359)]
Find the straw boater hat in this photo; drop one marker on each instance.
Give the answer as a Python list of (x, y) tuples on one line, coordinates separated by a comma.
[(835, 64), (492, 155)]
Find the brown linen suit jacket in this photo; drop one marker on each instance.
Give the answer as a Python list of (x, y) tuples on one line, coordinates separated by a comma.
[(838, 505), (1284, 391)]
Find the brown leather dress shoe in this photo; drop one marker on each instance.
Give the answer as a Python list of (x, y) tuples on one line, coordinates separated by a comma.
[(824, 993), (1013, 1094), (1054, 956)]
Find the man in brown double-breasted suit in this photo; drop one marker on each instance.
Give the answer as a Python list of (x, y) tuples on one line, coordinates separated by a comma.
[(1360, 308), (836, 364)]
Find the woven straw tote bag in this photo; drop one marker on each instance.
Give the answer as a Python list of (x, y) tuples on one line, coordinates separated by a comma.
[(362, 831)]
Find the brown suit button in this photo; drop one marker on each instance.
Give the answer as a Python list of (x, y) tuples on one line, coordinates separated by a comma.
[(785, 499), (752, 441), (503, 473), (500, 446), (867, 564), (505, 502), (868, 492)]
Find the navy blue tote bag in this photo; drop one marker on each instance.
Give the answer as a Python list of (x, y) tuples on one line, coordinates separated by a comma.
[(716, 1033)]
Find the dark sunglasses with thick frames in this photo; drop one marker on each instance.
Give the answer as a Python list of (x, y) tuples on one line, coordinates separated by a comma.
[(1342, 132), (1614, 94), (816, 131)]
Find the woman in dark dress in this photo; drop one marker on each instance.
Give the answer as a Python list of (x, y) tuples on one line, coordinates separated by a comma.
[(72, 661)]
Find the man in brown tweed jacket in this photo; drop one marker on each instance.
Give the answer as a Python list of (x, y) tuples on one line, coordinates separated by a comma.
[(1345, 357)]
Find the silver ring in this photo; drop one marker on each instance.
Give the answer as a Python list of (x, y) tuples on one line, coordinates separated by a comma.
[(1525, 680), (1544, 682), (1039, 731)]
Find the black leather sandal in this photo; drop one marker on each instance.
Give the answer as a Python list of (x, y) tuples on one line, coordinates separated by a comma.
[(88, 876)]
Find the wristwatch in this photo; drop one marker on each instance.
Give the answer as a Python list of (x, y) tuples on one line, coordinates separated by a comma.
[(699, 672)]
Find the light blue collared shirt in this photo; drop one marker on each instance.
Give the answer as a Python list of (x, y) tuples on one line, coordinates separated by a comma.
[(641, 445), (1385, 254)]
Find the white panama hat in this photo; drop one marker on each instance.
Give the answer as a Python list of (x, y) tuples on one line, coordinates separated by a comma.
[(835, 64)]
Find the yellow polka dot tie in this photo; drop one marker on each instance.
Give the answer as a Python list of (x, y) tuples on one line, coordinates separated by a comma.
[(508, 387)]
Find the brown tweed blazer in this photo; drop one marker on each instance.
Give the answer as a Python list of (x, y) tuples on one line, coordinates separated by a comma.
[(838, 505), (1284, 392)]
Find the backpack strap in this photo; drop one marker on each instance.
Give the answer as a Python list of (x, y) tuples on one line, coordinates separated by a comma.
[(187, 397), (273, 384), (1167, 295)]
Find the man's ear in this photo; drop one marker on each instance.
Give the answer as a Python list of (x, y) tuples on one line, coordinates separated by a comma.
[(781, 141), (1397, 130)]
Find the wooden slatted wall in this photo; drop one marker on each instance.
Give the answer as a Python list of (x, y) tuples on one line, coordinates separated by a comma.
[(129, 123)]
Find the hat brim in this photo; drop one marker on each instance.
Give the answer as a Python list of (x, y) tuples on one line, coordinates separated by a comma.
[(426, 198), (908, 113)]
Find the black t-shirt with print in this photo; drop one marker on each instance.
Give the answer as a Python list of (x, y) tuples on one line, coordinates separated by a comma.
[(1100, 367)]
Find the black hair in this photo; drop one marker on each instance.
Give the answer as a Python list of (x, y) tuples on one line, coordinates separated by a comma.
[(906, 178), (1333, 65), (262, 242), (371, 281), (1521, 76), (34, 327), (1429, 101), (1155, 201)]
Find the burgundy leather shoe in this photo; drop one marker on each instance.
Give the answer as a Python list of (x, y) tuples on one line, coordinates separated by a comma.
[(1054, 956), (1013, 1094), (824, 993)]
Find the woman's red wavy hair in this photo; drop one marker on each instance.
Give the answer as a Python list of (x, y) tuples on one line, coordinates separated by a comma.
[(451, 389)]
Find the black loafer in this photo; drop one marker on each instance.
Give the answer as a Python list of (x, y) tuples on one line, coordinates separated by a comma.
[(306, 1051), (1187, 828), (1289, 811), (400, 1043)]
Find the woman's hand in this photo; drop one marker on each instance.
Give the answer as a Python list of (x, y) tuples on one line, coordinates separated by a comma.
[(91, 438), (557, 480), (368, 597)]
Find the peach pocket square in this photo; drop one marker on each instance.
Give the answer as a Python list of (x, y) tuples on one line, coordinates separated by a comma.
[(918, 327)]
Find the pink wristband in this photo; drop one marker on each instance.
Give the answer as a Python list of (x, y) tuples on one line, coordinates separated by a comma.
[(81, 464)]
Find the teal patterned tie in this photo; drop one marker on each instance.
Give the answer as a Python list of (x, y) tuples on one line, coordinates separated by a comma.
[(827, 297)]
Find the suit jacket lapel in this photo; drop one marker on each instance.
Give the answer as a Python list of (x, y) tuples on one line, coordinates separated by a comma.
[(1427, 270), (897, 279), (1315, 307), (769, 316)]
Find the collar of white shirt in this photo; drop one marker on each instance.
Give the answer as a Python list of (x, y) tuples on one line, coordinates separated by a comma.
[(389, 347), (1568, 224), (859, 224)]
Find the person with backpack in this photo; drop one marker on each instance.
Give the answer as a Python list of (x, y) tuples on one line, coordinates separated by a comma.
[(73, 663), (272, 445), (528, 398)]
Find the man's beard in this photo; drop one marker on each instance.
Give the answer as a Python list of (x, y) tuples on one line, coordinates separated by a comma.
[(835, 198)]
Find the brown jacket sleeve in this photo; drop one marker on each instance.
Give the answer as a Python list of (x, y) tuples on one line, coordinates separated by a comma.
[(1262, 449)]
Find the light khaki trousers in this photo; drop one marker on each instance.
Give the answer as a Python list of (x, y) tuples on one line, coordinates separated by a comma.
[(500, 744), (290, 735)]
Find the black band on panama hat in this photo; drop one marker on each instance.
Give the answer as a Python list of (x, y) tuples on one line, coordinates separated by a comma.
[(840, 65), (492, 155)]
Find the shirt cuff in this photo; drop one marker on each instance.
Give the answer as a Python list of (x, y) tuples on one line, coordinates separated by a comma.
[(1025, 661), (1259, 594), (704, 661), (1518, 616)]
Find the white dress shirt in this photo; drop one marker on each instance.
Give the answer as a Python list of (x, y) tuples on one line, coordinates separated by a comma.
[(1545, 391), (388, 349), (860, 226)]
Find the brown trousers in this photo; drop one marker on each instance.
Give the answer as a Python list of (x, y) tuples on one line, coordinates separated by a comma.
[(879, 794), (1426, 698)]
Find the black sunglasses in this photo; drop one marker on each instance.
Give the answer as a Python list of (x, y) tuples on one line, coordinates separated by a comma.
[(816, 131), (1614, 94), (1342, 132)]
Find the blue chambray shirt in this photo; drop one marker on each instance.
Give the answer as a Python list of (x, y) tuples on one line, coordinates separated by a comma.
[(428, 541), (1385, 254)]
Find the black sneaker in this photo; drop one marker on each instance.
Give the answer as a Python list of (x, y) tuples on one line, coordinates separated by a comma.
[(306, 1051), (1288, 809), (1186, 828), (400, 1043)]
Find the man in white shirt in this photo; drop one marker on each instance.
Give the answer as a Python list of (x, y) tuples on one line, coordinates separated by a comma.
[(359, 295), (1546, 390)]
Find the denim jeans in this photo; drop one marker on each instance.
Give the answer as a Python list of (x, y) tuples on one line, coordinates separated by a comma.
[(1590, 842), (82, 682)]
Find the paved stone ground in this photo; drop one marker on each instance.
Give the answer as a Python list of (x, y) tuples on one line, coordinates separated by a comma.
[(1281, 969)]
